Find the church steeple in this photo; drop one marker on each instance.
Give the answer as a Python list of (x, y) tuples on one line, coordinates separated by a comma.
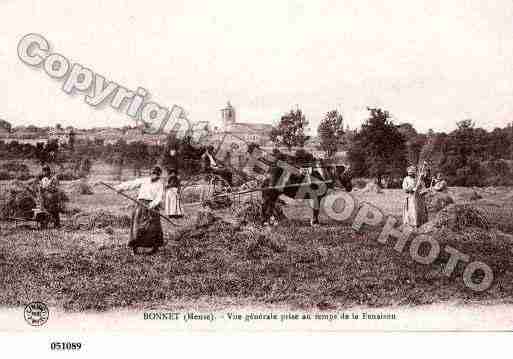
[(228, 115)]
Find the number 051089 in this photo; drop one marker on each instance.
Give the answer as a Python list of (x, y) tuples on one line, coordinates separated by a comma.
[(65, 346)]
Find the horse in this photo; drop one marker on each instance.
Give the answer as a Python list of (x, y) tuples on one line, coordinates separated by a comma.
[(299, 186)]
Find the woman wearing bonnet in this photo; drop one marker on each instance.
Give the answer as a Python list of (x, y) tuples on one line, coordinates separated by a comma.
[(414, 209)]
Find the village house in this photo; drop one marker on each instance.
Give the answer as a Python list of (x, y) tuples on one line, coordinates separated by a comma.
[(237, 135), (109, 136)]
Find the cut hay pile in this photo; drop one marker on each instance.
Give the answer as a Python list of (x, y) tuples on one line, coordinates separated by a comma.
[(98, 219), (459, 217), (436, 201), (250, 212), (222, 244), (498, 213), (80, 187), (259, 245), (205, 218), (18, 200)]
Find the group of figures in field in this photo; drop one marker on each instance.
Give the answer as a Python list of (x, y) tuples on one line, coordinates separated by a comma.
[(157, 194), (416, 185)]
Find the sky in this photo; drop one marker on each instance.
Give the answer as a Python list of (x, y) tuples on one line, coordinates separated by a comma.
[(429, 63)]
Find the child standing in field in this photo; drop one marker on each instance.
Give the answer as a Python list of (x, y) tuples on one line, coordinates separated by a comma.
[(172, 205)]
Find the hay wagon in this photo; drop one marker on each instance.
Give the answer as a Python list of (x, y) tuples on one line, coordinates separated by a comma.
[(213, 191)]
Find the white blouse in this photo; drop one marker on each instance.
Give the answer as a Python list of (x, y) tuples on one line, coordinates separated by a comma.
[(409, 184), (148, 190)]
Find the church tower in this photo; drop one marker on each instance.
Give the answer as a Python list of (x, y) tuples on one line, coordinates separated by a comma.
[(228, 116)]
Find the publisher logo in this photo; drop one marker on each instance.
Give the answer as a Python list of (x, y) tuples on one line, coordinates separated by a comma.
[(36, 313)]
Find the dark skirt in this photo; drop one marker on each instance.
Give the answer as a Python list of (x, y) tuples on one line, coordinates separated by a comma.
[(146, 229)]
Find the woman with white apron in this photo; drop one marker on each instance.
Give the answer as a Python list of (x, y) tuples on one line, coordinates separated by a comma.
[(172, 205)]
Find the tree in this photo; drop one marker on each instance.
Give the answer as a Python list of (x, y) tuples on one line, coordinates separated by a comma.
[(414, 142), (290, 130), (5, 125), (434, 150), (378, 149), (331, 132)]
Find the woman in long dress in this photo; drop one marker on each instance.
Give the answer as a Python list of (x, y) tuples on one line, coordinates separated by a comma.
[(172, 204), (414, 210), (146, 229)]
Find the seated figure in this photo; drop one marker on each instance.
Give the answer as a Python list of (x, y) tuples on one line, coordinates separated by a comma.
[(439, 184)]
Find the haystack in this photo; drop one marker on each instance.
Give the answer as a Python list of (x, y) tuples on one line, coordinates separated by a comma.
[(250, 212), (18, 201), (20, 198), (436, 201), (459, 217)]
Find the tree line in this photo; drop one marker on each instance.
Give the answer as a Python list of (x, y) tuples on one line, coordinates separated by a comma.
[(380, 149)]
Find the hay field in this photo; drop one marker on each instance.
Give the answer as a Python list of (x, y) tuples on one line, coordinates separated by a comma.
[(328, 267)]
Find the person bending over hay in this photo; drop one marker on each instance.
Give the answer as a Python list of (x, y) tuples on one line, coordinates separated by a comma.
[(146, 229), (414, 211)]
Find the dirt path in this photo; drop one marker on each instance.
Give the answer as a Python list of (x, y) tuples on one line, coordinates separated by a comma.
[(497, 317)]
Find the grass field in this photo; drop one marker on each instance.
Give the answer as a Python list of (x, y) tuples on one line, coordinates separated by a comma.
[(331, 266)]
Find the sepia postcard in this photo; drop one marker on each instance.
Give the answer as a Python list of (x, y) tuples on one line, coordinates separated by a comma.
[(176, 167)]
